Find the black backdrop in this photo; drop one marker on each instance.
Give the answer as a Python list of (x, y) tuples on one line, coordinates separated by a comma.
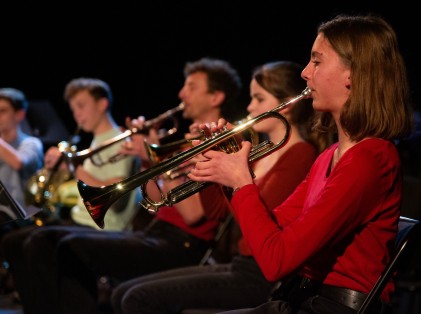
[(140, 47)]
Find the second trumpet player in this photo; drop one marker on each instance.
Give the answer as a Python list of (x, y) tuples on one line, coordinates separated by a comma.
[(91, 101)]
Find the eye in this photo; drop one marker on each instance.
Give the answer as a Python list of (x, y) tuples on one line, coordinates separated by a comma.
[(260, 99), (315, 61)]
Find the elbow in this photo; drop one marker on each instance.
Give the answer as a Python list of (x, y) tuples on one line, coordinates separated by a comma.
[(17, 164), (272, 272), (271, 276)]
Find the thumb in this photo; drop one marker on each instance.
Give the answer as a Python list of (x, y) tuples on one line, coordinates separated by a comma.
[(245, 148)]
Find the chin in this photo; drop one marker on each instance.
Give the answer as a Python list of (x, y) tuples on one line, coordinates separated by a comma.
[(186, 115)]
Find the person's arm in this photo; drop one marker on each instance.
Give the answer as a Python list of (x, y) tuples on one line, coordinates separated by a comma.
[(27, 158), (10, 155), (53, 159), (136, 144)]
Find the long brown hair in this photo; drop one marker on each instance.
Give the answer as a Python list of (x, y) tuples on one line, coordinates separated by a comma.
[(379, 104)]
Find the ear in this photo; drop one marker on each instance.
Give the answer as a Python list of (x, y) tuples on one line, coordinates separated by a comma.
[(20, 115), (218, 98), (103, 104), (348, 81)]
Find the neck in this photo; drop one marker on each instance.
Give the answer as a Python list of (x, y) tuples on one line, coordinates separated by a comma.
[(209, 116), (106, 124), (10, 135), (344, 143)]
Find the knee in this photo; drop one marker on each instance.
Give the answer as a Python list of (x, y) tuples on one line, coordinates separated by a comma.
[(64, 250), (130, 303), (116, 299), (37, 241), (72, 258), (8, 244), (143, 298), (13, 242)]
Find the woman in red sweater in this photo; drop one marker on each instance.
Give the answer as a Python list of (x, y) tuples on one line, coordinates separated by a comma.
[(337, 230)]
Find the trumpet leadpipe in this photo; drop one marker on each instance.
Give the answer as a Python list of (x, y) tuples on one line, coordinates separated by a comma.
[(74, 159)]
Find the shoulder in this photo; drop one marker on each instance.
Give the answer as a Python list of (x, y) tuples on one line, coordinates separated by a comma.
[(302, 147), (299, 153), (372, 156), (376, 149), (26, 139)]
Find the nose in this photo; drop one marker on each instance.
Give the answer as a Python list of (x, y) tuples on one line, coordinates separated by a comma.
[(181, 93), (305, 72), (250, 106)]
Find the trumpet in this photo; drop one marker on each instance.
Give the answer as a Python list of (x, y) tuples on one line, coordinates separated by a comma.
[(97, 200), (74, 159), (157, 153)]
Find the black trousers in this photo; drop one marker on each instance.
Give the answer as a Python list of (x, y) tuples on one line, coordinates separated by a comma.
[(61, 264)]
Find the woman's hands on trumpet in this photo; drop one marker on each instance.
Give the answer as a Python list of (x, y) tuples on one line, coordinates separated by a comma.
[(231, 170)]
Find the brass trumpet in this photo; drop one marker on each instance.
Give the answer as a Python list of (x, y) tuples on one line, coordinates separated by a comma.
[(159, 152), (74, 159), (41, 189), (97, 200)]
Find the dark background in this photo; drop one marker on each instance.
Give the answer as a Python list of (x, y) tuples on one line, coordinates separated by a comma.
[(140, 47)]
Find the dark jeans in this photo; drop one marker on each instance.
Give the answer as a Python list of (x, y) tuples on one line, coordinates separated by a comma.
[(63, 264), (224, 286), (17, 251)]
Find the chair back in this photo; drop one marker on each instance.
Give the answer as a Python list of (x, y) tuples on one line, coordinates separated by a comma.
[(406, 229)]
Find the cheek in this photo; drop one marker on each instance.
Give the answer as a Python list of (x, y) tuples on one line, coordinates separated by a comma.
[(264, 126), (258, 110)]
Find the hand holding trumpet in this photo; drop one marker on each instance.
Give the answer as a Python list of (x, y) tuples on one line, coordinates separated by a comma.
[(231, 170), (135, 144), (52, 157)]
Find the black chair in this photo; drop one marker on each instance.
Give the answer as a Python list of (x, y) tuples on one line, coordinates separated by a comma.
[(404, 236)]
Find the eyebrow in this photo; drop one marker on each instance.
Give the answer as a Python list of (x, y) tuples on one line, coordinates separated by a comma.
[(316, 54)]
